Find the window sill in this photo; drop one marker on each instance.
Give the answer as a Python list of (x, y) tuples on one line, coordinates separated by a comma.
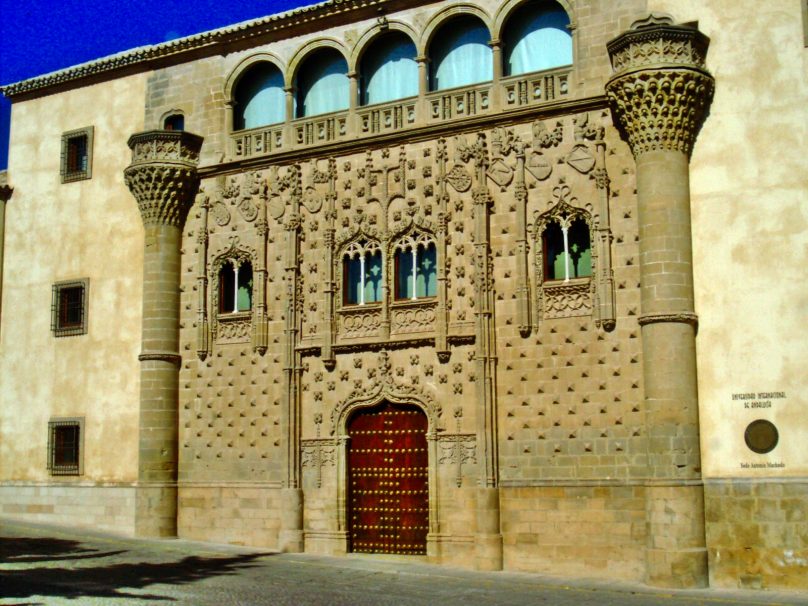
[(235, 316)]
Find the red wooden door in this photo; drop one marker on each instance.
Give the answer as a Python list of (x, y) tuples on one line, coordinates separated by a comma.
[(388, 492)]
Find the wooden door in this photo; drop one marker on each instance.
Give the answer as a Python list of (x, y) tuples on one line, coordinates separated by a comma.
[(388, 495)]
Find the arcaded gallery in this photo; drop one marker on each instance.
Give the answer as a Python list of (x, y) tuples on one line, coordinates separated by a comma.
[(475, 283)]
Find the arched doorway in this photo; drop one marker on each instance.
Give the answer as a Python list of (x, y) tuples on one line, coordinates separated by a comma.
[(388, 485)]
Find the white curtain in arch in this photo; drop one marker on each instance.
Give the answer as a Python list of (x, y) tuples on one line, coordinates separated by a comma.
[(460, 54), (260, 99), (537, 38), (389, 70), (322, 83)]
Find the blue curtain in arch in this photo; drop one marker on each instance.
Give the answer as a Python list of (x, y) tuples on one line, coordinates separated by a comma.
[(460, 54), (537, 38), (322, 83), (260, 99), (389, 70)]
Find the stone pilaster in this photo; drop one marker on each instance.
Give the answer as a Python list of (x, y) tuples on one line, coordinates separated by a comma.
[(5, 195), (660, 94), (163, 179)]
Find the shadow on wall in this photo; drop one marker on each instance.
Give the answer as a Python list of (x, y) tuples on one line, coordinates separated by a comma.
[(98, 579)]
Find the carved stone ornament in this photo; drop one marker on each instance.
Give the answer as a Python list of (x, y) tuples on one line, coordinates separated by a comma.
[(162, 176), (661, 92), (581, 159), (539, 166), (220, 213), (459, 178), (385, 388)]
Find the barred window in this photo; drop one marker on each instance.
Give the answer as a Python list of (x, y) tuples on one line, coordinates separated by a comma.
[(69, 308), (65, 440), (77, 154)]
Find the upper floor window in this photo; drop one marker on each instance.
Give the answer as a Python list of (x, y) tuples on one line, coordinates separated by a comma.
[(460, 54), (77, 155), (567, 249), (362, 266), (174, 122), (235, 287), (259, 98), (322, 83), (69, 308), (537, 37), (416, 268), (389, 70)]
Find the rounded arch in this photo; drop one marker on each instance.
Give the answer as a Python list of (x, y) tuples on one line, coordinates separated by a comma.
[(439, 19), (168, 119), (245, 64), (507, 8), (386, 66), (370, 35), (321, 79), (534, 35), (309, 48), (459, 51)]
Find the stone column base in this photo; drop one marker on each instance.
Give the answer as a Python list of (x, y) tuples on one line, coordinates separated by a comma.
[(488, 539), (290, 538), (676, 553), (156, 510)]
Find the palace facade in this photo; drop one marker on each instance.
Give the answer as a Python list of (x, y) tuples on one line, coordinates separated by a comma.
[(498, 284)]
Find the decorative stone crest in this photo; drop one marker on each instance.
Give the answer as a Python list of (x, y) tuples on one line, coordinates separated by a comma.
[(661, 92)]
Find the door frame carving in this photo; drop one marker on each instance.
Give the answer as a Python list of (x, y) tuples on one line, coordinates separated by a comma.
[(386, 390)]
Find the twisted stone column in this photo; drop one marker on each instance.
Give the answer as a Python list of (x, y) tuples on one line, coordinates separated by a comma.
[(5, 195), (162, 177), (660, 94)]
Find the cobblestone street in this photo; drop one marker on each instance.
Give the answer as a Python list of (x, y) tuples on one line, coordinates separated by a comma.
[(47, 565)]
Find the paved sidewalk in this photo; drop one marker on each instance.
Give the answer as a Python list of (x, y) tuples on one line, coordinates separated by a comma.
[(48, 565)]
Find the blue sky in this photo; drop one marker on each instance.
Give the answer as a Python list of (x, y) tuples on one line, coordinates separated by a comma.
[(41, 36)]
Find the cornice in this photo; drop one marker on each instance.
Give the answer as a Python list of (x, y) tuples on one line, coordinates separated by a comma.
[(191, 47)]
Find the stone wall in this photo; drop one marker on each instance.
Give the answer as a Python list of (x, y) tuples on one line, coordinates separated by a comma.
[(99, 507)]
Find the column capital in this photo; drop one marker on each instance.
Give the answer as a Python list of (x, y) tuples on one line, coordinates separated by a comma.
[(162, 176), (660, 92), (5, 189)]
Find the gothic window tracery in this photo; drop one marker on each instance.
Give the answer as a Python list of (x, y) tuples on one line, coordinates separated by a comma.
[(567, 249), (362, 273), (235, 286), (415, 267)]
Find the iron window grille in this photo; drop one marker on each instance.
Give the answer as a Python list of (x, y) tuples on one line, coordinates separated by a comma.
[(77, 155), (65, 447), (69, 308)]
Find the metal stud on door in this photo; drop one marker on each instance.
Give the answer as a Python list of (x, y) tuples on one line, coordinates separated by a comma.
[(388, 480)]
